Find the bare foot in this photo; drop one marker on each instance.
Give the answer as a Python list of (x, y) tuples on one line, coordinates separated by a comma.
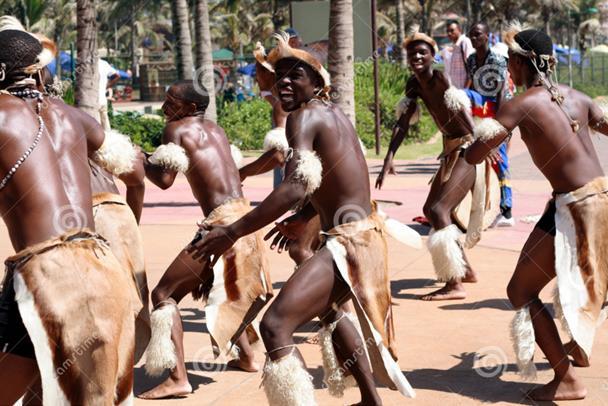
[(448, 292), (470, 276), (168, 389), (579, 358), (567, 388), (244, 365)]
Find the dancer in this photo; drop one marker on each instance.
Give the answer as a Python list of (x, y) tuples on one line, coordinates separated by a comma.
[(66, 303), (450, 108), (569, 240), (326, 157), (239, 285)]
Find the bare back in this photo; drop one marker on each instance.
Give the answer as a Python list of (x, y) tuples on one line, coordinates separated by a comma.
[(213, 175), (34, 200), (432, 94), (567, 158), (344, 194)]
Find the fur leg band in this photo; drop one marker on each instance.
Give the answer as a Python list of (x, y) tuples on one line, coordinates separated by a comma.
[(333, 371), (160, 354), (171, 156), (446, 253), (117, 153), (522, 334), (456, 100), (287, 383)]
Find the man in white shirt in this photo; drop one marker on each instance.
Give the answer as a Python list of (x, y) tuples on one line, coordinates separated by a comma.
[(455, 56), (108, 76)]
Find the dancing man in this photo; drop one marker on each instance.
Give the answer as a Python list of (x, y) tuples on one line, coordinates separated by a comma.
[(569, 239), (237, 287), (450, 108), (325, 157)]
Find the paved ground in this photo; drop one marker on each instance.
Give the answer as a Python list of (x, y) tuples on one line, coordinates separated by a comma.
[(452, 352)]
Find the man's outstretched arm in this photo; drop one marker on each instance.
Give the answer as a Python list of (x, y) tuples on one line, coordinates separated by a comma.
[(264, 163)]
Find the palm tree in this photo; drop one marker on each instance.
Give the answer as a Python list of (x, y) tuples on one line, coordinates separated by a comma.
[(204, 58), (549, 8), (398, 49), (181, 29), (340, 57), (87, 75)]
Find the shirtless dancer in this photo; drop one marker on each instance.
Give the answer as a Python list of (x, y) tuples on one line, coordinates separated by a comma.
[(319, 134), (569, 240), (200, 149), (90, 323), (450, 109)]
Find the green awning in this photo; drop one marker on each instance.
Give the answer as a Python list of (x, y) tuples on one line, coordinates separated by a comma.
[(223, 55)]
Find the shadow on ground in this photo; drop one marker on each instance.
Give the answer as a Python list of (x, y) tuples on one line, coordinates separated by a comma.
[(397, 286), (145, 382), (413, 168)]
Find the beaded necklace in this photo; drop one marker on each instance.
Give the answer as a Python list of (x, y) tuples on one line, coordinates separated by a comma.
[(30, 94)]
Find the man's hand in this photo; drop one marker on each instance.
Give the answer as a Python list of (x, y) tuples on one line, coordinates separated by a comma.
[(494, 157), (218, 240), (286, 232)]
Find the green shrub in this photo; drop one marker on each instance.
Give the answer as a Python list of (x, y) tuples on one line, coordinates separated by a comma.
[(145, 130), (246, 123)]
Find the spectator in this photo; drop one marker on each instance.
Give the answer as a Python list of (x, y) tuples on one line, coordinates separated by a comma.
[(108, 76), (488, 78), (455, 56)]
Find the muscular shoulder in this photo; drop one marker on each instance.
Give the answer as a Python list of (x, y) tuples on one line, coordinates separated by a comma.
[(14, 115)]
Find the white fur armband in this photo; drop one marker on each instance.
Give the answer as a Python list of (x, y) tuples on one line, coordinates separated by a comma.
[(403, 105), (117, 154), (309, 171), (237, 155), (170, 156), (487, 129), (276, 139), (456, 99)]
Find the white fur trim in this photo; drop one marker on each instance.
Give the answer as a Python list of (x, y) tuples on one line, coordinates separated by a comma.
[(522, 335), (237, 155), (487, 129), (160, 354), (309, 171), (446, 253), (478, 207), (402, 107), (456, 100), (276, 139), (363, 149), (117, 154), (333, 371), (52, 394), (401, 232), (287, 383), (559, 311), (171, 156)]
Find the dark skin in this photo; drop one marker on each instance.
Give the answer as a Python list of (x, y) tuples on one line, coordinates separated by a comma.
[(430, 85), (315, 287), (214, 179), (29, 204), (568, 160), (453, 30)]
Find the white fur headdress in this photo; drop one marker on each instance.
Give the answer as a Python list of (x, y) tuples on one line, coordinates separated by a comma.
[(117, 154), (456, 99), (171, 156), (49, 49), (284, 50)]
